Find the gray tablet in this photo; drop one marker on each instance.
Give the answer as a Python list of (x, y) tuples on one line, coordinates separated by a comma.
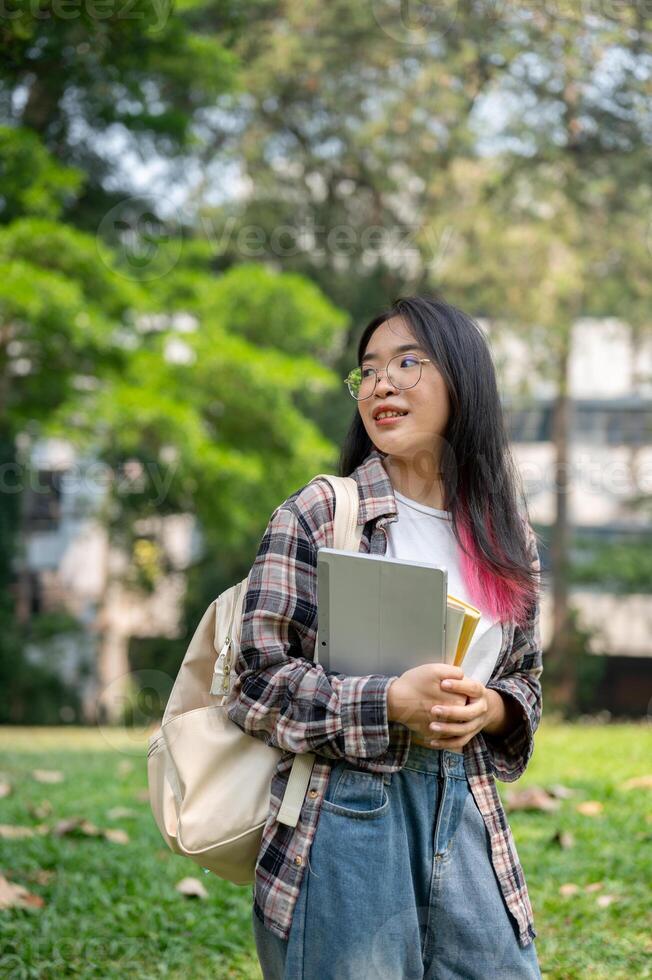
[(379, 615)]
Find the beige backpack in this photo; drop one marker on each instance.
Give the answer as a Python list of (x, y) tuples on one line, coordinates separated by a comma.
[(209, 782)]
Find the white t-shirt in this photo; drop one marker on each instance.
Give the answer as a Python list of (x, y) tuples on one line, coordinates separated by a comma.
[(426, 534)]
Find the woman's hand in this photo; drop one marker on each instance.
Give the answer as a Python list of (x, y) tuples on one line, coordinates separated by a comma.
[(411, 696), (452, 726)]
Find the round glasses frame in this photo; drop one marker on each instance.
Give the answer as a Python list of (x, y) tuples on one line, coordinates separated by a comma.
[(421, 360)]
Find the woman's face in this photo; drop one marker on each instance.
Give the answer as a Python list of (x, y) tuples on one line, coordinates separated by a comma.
[(426, 405)]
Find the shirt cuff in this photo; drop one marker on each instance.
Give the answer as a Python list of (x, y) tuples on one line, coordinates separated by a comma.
[(509, 754), (368, 734)]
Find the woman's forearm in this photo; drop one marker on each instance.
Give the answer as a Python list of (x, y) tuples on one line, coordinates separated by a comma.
[(505, 714)]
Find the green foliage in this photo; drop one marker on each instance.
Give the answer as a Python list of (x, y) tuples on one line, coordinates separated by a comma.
[(586, 668), (61, 312), (79, 73), (225, 436), (211, 416), (34, 692), (287, 313), (72, 255), (33, 181), (617, 566), (161, 654), (346, 123)]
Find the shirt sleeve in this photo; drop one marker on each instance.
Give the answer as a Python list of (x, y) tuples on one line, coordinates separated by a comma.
[(280, 695), (509, 755)]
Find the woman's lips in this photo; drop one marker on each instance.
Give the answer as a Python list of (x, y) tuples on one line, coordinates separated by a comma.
[(390, 419)]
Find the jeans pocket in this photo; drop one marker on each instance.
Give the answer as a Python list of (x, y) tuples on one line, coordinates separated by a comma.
[(356, 793)]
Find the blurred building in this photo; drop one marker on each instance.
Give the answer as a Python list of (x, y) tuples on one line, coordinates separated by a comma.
[(610, 457), (68, 563)]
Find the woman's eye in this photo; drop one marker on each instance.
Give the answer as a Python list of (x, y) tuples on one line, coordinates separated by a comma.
[(409, 361), (366, 372)]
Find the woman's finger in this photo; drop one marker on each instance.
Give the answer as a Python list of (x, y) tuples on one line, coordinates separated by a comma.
[(465, 685), (466, 712), (453, 745), (452, 729)]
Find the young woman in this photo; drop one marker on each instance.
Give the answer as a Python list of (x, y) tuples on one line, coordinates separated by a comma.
[(402, 864)]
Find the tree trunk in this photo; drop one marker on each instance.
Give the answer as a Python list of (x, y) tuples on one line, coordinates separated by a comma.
[(112, 673), (112, 664), (560, 654)]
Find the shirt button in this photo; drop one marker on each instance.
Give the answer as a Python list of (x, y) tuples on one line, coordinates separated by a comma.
[(298, 860), (313, 793)]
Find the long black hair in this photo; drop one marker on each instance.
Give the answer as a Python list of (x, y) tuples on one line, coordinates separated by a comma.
[(482, 488)]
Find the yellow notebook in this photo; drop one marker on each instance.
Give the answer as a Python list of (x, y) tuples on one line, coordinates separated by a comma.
[(461, 622)]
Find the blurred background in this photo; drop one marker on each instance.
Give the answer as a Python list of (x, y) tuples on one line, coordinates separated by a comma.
[(201, 204)]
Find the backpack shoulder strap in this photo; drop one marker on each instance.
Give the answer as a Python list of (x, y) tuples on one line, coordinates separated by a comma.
[(347, 533), (346, 537)]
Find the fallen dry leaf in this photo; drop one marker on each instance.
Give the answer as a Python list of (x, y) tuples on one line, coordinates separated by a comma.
[(564, 839), (532, 798), (41, 876), (595, 886), (116, 835), (561, 792), (76, 825), (48, 775), (15, 896), (191, 888), (40, 810), (590, 808), (637, 782), (120, 812), (125, 767), (569, 889), (603, 900), (10, 831), (5, 790), (89, 829), (66, 826)]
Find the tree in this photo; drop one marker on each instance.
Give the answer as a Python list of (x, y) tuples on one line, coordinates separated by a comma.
[(550, 228), (100, 86), (82, 89), (343, 131), (211, 409)]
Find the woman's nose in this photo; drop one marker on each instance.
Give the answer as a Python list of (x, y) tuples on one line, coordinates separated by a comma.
[(384, 376)]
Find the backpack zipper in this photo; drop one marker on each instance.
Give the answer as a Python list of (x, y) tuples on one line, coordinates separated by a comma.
[(222, 670)]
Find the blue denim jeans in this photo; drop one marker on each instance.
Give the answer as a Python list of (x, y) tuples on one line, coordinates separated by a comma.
[(399, 884)]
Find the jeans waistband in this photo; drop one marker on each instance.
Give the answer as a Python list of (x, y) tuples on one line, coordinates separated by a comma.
[(442, 761)]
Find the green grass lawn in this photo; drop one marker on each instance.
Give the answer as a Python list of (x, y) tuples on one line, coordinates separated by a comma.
[(111, 910)]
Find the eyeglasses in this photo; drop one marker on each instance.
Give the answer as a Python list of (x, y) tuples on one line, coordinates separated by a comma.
[(406, 370)]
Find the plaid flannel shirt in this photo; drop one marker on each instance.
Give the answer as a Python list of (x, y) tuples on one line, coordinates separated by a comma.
[(282, 697)]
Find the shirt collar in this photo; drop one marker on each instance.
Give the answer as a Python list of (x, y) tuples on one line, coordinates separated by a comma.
[(375, 489)]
